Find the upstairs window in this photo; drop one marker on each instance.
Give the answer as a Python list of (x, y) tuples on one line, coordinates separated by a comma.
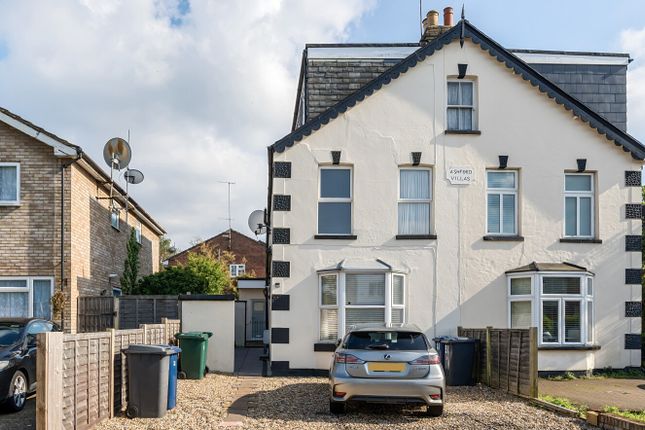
[(137, 232), (115, 219), (237, 270), (9, 183), (414, 201), (461, 105), (501, 202), (578, 205), (335, 202)]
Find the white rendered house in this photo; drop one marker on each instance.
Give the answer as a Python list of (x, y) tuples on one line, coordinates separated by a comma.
[(450, 183)]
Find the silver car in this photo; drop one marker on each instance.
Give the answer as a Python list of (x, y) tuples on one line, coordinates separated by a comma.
[(386, 365)]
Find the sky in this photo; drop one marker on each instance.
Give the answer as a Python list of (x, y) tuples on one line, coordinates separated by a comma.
[(205, 86)]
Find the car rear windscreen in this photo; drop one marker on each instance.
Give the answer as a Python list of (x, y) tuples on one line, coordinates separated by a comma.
[(387, 340)]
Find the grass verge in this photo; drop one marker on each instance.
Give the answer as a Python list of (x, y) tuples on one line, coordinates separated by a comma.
[(632, 415), (565, 403)]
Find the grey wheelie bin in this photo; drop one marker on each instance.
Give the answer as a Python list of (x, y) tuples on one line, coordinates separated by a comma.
[(148, 367)]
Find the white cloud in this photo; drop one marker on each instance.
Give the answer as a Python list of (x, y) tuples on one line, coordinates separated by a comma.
[(633, 41), (204, 92)]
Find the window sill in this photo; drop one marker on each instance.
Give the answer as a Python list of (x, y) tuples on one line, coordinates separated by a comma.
[(336, 236), (416, 237), (501, 238), (324, 347), (116, 228), (10, 204), (568, 348), (579, 240), (463, 132)]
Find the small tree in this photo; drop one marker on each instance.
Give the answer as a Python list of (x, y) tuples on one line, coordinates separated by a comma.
[(166, 248), (212, 269), (131, 264)]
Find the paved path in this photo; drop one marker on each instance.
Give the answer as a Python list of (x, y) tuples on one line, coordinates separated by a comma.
[(25, 419), (598, 393), (247, 361), (243, 403)]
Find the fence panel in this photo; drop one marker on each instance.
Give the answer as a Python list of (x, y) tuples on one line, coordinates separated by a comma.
[(137, 310), (96, 313), (507, 358), (82, 378)]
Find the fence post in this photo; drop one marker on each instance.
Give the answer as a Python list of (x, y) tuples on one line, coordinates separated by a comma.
[(166, 329), (49, 373), (112, 351), (533, 362), (489, 356), (116, 312)]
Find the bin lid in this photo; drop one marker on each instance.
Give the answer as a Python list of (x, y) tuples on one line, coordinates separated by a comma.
[(137, 348), (175, 349), (202, 335), (459, 340)]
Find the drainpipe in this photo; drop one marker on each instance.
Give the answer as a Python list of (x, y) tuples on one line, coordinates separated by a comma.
[(63, 167), (267, 284)]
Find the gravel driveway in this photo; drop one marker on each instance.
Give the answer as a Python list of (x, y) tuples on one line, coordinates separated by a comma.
[(25, 419), (301, 403)]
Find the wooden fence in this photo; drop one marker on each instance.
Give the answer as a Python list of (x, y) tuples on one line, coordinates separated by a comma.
[(507, 358), (98, 313), (82, 378)]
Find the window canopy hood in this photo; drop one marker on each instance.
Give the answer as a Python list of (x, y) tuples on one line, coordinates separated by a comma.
[(360, 264), (549, 267)]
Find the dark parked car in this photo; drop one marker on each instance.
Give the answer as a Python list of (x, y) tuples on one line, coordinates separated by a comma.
[(18, 359)]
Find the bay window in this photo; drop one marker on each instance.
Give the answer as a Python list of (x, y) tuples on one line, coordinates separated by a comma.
[(501, 202), (26, 297), (415, 190), (335, 201), (559, 304), (578, 205), (9, 183), (347, 299)]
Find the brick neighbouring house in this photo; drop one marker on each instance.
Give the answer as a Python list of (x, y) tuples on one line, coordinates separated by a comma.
[(249, 262), (92, 251)]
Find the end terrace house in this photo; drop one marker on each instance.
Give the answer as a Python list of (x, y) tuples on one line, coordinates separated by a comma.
[(455, 182), (57, 231)]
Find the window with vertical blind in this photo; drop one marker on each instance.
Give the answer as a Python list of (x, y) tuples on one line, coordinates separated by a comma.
[(501, 202), (348, 299), (9, 183), (578, 205), (461, 105), (415, 195), (561, 305), (335, 201), (26, 297)]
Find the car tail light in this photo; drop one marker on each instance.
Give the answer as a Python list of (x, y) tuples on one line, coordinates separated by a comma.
[(343, 358), (426, 360), (435, 396)]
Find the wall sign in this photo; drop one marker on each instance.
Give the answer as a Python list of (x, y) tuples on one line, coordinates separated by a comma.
[(461, 175)]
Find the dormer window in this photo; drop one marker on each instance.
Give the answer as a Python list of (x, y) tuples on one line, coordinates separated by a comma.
[(461, 105), (9, 184)]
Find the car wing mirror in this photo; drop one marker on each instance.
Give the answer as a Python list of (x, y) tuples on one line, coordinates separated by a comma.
[(338, 342)]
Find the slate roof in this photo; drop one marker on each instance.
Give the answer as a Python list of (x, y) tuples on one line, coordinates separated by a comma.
[(548, 267), (603, 125)]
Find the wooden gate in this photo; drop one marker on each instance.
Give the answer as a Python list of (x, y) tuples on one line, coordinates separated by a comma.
[(96, 313)]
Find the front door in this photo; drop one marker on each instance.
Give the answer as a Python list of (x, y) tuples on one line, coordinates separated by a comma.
[(257, 319), (240, 323)]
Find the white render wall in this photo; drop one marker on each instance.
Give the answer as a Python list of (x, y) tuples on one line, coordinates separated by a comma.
[(465, 273)]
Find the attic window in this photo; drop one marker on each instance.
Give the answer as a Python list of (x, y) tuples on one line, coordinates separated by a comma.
[(9, 183), (461, 105)]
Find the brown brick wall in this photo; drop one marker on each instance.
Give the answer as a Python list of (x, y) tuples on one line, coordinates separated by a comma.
[(242, 246)]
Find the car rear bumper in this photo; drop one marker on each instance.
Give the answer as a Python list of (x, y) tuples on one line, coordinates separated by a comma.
[(429, 391)]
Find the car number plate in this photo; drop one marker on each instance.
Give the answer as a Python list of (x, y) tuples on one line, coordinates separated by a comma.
[(386, 367)]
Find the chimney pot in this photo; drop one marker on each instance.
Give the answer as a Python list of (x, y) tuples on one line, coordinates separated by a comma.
[(432, 18), (447, 16)]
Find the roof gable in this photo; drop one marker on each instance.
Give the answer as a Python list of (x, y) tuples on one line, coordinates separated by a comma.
[(467, 30)]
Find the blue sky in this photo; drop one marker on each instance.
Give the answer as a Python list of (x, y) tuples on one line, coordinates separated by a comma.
[(205, 86), (591, 25)]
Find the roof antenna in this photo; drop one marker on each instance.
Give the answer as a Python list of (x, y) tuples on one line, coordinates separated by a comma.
[(463, 18), (420, 18), (229, 183)]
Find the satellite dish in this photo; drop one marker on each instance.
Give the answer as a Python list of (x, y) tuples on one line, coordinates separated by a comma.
[(133, 176), (117, 153), (256, 222)]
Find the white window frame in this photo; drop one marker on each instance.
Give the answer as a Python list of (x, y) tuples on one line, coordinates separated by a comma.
[(138, 232), (237, 269), (340, 298), (427, 201), (29, 288), (472, 107), (398, 305), (537, 298), (577, 195), (502, 192), (114, 212), (336, 199), (17, 201)]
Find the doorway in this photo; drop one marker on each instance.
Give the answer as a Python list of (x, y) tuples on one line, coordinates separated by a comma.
[(257, 319)]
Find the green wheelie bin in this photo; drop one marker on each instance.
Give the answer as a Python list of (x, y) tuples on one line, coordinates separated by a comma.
[(192, 360)]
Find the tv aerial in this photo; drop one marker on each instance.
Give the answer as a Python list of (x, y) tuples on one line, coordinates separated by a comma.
[(131, 176), (256, 222), (117, 154)]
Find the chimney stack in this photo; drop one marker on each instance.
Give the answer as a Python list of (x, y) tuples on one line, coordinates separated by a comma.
[(447, 17), (431, 27)]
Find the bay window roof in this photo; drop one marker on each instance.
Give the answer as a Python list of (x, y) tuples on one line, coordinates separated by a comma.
[(361, 264), (548, 267)]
